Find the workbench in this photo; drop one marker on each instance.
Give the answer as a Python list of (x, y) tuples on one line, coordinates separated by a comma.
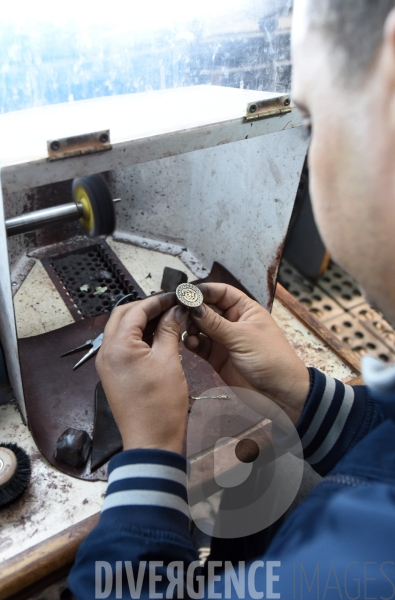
[(205, 175), (40, 533)]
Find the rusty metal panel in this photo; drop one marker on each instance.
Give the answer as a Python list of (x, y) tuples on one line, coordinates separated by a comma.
[(230, 204)]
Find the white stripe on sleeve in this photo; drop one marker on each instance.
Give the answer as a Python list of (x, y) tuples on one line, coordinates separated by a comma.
[(146, 498), (322, 410), (337, 427), (154, 471)]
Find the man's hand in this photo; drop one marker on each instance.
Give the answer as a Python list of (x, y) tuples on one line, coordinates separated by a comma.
[(146, 387), (240, 339)]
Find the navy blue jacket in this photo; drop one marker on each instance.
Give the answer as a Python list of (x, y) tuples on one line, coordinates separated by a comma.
[(338, 543)]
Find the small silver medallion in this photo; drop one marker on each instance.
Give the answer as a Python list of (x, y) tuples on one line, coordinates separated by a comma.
[(189, 295)]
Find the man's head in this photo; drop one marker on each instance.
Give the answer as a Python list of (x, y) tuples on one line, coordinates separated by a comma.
[(344, 83), (355, 27)]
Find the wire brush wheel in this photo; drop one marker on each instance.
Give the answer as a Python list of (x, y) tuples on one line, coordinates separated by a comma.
[(15, 471)]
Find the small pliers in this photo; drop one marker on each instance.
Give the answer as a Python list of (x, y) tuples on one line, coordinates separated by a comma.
[(96, 343)]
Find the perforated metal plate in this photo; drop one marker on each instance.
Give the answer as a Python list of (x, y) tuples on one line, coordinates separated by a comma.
[(354, 333), (341, 287), (376, 324), (316, 300), (91, 280), (337, 302)]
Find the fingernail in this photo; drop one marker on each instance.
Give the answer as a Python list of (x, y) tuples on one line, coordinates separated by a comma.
[(197, 312), (181, 314)]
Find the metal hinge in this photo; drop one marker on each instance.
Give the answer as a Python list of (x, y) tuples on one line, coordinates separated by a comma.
[(270, 107), (79, 145)]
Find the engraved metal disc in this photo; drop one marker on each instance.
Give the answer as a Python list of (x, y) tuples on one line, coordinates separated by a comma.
[(189, 295)]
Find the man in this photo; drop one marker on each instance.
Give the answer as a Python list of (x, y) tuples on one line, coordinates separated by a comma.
[(339, 542)]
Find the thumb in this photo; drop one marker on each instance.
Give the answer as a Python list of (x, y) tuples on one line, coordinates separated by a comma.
[(213, 325), (167, 333)]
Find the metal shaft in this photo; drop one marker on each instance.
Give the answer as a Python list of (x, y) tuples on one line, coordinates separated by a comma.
[(41, 218)]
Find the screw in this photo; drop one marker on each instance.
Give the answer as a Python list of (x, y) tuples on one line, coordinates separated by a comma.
[(287, 102), (253, 108), (55, 145), (103, 138)]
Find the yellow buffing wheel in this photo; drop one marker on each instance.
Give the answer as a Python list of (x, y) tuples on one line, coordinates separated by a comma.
[(93, 194)]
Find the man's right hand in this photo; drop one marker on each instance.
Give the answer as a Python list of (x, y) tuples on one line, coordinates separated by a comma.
[(242, 342)]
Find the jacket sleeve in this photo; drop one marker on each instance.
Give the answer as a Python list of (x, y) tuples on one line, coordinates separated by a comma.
[(144, 525), (335, 418)]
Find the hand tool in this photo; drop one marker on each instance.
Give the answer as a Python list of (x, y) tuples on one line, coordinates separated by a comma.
[(95, 346), (96, 342)]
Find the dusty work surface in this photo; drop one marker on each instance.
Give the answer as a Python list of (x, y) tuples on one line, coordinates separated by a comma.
[(55, 501)]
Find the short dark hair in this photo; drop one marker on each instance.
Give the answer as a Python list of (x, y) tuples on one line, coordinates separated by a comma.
[(354, 26)]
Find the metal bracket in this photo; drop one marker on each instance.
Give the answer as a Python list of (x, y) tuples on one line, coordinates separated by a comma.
[(270, 107), (78, 145)]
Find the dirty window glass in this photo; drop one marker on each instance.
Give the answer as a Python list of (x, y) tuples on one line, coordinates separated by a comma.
[(53, 52)]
